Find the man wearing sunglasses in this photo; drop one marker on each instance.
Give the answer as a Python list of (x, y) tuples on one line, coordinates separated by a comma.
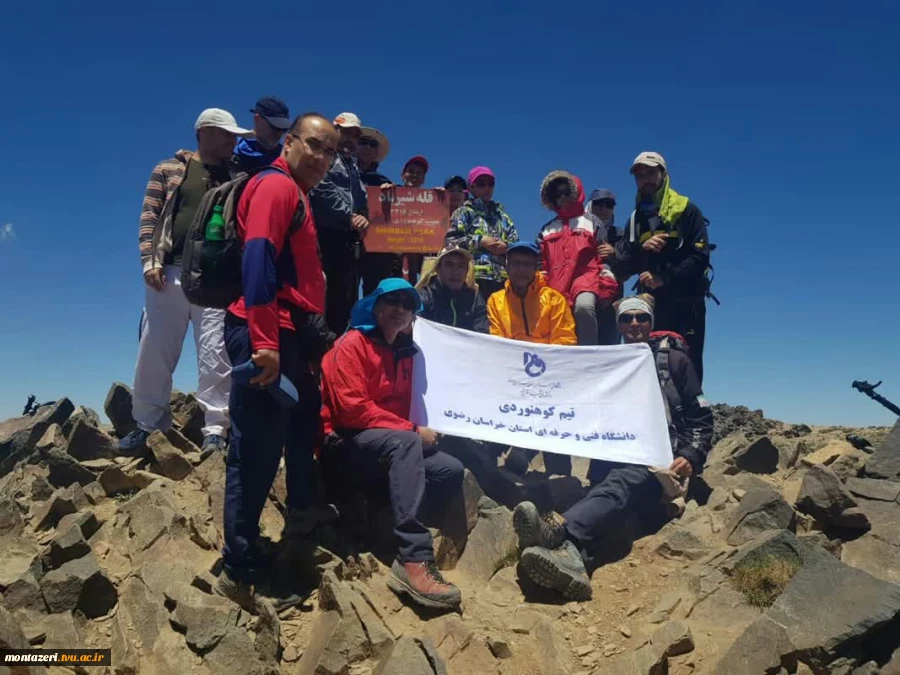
[(559, 549), (482, 226), (367, 393), (665, 243), (272, 326), (341, 208)]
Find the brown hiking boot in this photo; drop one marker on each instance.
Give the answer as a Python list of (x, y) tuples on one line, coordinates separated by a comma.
[(422, 581)]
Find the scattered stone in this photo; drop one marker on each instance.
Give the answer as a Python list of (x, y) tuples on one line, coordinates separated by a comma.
[(97, 465), (94, 492), (875, 556), (681, 542), (205, 619), (24, 593), (170, 461), (730, 419), (499, 648), (491, 545), (10, 517), (52, 438), (87, 522), (188, 416), (885, 461), (59, 632), (115, 482), (64, 470), (761, 509), (761, 456), (180, 441), (503, 589), (79, 584), (524, 620), (648, 660), (118, 409), (738, 494), (20, 435), (11, 636), (68, 545), (410, 656), (17, 557), (87, 442), (625, 630), (796, 431), (875, 489), (633, 609), (822, 496), (549, 657), (674, 638), (63, 502), (757, 650)]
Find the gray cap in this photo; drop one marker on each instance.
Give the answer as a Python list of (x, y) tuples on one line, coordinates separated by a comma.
[(602, 193)]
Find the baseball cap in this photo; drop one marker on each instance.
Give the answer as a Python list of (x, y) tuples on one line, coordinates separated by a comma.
[(478, 172), (602, 193), (455, 180), (418, 159), (347, 120), (524, 247), (649, 159), (216, 117), (274, 111)]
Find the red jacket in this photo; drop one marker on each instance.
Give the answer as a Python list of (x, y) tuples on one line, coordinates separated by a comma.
[(272, 271), (367, 384), (568, 244)]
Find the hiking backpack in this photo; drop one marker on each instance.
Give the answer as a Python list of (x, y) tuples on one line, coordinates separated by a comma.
[(663, 343), (211, 269)]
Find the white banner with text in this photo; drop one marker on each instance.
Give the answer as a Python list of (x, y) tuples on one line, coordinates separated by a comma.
[(597, 402)]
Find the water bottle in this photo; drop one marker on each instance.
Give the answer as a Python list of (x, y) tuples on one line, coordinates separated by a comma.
[(215, 228)]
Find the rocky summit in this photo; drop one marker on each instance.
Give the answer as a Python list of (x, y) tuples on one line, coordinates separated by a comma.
[(786, 560)]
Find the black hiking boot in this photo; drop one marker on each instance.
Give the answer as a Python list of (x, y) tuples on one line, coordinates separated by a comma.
[(561, 570), (532, 530)]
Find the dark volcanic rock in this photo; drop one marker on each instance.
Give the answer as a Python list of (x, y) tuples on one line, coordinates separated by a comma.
[(761, 456), (729, 419), (885, 461), (118, 409), (822, 496), (88, 442), (19, 435)]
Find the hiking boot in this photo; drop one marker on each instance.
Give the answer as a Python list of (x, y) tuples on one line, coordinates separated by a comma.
[(238, 592), (134, 443), (561, 570), (532, 530), (281, 599), (299, 523), (423, 583)]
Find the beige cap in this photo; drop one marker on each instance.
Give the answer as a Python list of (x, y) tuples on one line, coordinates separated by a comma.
[(649, 159), (347, 120)]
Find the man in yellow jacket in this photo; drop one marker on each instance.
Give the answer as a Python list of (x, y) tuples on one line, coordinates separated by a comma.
[(527, 309)]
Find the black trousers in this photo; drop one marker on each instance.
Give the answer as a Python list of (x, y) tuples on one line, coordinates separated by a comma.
[(341, 267), (688, 319), (376, 267)]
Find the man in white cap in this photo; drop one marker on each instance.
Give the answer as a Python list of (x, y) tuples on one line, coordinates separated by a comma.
[(341, 210), (174, 192), (665, 243)]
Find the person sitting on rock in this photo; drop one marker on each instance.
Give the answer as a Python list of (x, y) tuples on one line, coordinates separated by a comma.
[(367, 391), (556, 548), (528, 309), (449, 294)]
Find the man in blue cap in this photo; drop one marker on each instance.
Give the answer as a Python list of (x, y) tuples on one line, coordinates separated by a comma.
[(271, 119)]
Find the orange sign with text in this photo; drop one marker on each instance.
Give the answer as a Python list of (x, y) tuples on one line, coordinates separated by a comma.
[(406, 220)]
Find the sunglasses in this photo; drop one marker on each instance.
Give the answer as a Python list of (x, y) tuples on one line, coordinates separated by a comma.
[(371, 142), (400, 300), (643, 317), (606, 203)]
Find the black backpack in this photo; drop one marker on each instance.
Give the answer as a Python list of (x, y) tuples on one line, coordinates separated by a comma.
[(211, 269)]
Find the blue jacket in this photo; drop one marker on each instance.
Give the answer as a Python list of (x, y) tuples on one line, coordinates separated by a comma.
[(249, 154), (340, 195)]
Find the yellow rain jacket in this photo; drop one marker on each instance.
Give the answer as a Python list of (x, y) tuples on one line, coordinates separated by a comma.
[(542, 316)]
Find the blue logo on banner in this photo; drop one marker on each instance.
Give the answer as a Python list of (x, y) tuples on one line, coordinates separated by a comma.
[(534, 365)]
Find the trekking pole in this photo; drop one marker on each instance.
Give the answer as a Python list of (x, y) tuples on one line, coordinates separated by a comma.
[(869, 390), (31, 400)]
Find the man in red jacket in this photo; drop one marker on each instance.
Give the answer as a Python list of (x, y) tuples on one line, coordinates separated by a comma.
[(271, 325), (569, 255), (366, 391)]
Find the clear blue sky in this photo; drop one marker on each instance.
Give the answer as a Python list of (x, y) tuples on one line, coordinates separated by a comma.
[(780, 120)]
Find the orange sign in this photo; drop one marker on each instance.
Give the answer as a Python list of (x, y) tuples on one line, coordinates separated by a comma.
[(406, 220)]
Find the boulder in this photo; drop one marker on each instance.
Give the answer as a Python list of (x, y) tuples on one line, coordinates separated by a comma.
[(118, 409), (730, 419), (79, 584), (18, 556), (63, 502), (143, 613), (10, 517), (333, 645), (411, 656), (204, 619), (11, 636), (169, 460), (115, 482), (884, 518), (20, 435), (60, 632), (64, 470), (87, 522), (187, 416), (874, 555), (151, 514), (761, 509), (678, 541), (52, 438), (68, 544), (760, 456), (267, 642), (822, 496), (757, 650), (885, 461), (492, 544), (180, 441), (87, 442)]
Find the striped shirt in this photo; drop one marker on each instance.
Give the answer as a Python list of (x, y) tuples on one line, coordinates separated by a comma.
[(161, 188)]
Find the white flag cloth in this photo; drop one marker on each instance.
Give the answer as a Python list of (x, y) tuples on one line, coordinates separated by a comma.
[(598, 402)]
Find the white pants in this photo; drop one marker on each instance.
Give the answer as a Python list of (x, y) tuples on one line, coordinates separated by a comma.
[(163, 328)]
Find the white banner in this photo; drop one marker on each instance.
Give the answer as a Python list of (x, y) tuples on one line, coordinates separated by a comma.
[(598, 402)]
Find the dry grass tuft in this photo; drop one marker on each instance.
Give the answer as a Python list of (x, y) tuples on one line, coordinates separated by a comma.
[(762, 580)]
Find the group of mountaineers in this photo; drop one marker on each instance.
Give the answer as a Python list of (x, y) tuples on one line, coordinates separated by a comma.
[(295, 192)]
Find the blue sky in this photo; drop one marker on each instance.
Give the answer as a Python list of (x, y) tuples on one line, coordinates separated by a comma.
[(778, 119)]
